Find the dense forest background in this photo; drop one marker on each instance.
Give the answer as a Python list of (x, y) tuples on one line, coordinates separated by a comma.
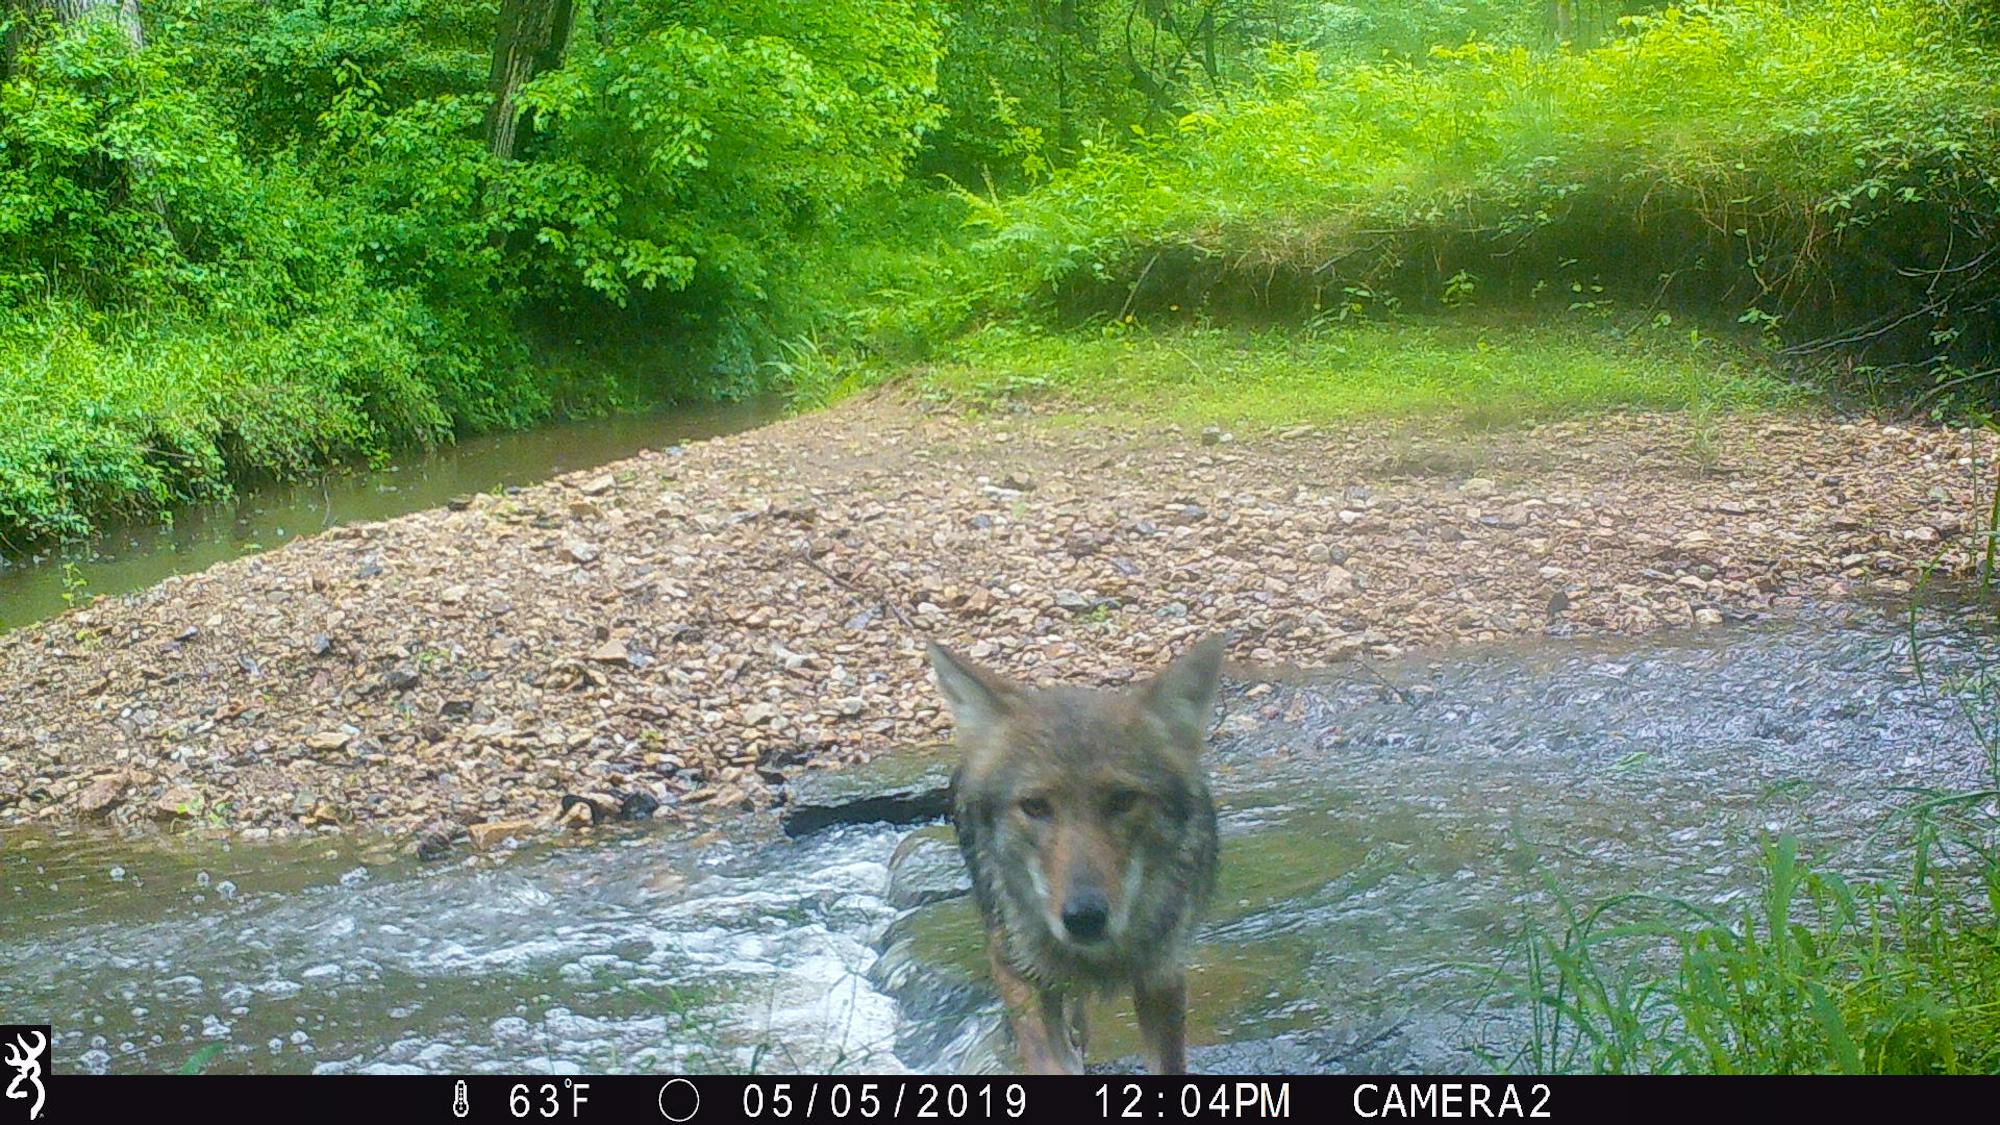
[(243, 237)]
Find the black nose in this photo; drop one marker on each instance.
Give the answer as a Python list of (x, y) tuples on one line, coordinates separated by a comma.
[(1085, 916)]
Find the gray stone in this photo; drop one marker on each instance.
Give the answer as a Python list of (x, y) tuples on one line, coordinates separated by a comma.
[(927, 868), (906, 787)]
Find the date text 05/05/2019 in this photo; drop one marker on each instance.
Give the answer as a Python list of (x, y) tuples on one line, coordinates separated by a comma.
[(893, 1100)]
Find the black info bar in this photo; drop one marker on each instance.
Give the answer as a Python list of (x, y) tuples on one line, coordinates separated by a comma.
[(292, 1100)]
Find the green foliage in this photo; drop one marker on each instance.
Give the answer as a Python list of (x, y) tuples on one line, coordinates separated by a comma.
[(1830, 171), (1027, 85), (1819, 973), (275, 237)]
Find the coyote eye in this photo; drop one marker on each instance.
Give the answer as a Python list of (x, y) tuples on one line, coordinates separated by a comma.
[(1121, 801), (1035, 808)]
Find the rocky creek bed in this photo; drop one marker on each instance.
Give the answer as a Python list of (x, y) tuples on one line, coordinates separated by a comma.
[(695, 630)]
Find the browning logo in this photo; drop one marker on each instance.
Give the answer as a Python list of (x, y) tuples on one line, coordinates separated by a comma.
[(24, 1048)]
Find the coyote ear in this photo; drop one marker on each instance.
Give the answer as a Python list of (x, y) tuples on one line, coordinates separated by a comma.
[(978, 698), (1183, 696)]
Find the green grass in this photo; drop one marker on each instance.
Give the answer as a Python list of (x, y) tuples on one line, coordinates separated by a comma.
[(1480, 375), (1817, 973)]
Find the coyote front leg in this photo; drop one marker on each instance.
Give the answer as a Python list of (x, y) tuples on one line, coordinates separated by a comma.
[(1036, 1015), (1162, 1008)]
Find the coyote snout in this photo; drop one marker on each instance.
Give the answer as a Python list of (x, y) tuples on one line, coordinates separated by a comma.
[(1086, 821)]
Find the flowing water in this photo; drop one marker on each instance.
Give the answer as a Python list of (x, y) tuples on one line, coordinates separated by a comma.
[(137, 555), (1381, 851)]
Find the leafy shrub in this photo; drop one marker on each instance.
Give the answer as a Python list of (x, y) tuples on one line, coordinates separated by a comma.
[(1824, 171)]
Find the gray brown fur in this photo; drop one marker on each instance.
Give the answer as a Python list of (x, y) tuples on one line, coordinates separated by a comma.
[(1086, 822)]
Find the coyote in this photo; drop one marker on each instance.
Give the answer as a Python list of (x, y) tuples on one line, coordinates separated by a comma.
[(1086, 821)]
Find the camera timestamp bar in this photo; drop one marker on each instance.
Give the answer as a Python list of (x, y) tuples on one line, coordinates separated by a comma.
[(679, 1099)]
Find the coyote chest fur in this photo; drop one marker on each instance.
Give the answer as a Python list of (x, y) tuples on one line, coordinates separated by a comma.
[(1086, 822)]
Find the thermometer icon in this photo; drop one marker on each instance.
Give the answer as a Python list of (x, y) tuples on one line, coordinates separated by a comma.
[(459, 1108)]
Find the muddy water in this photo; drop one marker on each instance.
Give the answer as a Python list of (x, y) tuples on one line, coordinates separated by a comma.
[(137, 555), (1380, 858)]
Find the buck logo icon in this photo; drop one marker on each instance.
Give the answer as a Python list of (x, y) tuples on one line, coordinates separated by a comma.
[(23, 1048)]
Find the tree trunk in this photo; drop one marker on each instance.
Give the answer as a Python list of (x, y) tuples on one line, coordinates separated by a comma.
[(11, 15), (18, 14), (126, 12), (1563, 16), (529, 41)]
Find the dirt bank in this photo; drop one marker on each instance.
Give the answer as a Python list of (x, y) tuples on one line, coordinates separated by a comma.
[(694, 625)]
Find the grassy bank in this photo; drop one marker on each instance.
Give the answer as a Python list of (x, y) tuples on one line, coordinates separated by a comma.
[(1480, 374), (1824, 172)]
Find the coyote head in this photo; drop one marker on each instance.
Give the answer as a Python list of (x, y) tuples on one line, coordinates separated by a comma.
[(1085, 813)]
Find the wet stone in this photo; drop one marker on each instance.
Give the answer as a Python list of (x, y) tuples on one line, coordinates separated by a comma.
[(927, 868), (906, 787)]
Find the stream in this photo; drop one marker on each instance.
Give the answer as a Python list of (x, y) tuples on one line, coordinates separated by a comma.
[(138, 554), (1382, 849)]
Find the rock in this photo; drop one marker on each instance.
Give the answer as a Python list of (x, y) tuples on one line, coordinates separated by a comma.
[(597, 486), (927, 868), (576, 813), (1558, 604), (1338, 582), (433, 843), (178, 801), (493, 833), (743, 558), (580, 551), (905, 787), (401, 678), (1708, 615), (637, 806), (103, 795)]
